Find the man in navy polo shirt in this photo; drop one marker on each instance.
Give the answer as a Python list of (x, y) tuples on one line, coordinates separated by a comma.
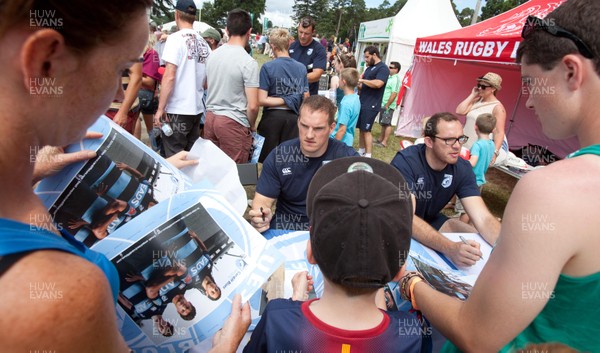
[(372, 87), (310, 53), (434, 173), (289, 168)]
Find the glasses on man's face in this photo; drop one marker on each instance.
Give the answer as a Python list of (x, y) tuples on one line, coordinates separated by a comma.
[(534, 23), (393, 68), (450, 141), (480, 86)]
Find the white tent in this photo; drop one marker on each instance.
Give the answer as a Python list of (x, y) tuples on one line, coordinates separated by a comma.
[(418, 18), (198, 26)]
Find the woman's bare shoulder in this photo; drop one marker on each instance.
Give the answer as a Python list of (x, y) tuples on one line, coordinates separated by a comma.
[(55, 299)]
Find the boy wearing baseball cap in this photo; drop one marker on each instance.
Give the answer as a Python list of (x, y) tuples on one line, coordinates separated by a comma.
[(360, 214)]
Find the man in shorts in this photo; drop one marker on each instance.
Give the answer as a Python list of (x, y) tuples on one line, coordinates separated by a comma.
[(372, 87)]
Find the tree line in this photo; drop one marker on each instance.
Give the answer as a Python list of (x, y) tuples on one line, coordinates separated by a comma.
[(332, 16)]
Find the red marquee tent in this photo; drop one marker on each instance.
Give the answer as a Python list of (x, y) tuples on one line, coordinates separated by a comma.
[(445, 68)]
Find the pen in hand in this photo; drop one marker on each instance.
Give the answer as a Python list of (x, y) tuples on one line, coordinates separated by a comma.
[(262, 213), (464, 241)]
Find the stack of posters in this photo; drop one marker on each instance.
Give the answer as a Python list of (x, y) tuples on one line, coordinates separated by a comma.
[(181, 250)]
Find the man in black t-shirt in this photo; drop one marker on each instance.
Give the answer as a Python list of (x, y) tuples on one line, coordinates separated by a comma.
[(434, 173), (289, 168), (309, 52), (372, 86)]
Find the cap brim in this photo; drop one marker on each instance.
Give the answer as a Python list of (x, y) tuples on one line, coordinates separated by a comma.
[(340, 166)]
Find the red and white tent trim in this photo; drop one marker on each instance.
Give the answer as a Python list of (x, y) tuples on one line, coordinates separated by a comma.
[(445, 68)]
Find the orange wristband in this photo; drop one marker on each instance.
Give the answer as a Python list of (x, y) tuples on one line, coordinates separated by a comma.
[(412, 294)]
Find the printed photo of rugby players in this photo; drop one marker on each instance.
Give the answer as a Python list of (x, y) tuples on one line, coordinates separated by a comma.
[(441, 281), (120, 183), (175, 275)]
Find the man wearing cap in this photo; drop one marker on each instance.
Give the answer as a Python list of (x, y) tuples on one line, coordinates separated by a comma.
[(289, 168), (361, 220), (180, 103), (434, 173), (232, 101), (372, 87), (482, 100), (212, 37), (309, 52)]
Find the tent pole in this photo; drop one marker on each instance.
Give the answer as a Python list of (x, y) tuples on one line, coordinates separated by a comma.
[(514, 112), (476, 12)]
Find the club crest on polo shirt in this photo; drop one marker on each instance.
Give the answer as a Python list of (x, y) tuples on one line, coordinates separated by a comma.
[(447, 181), (309, 51)]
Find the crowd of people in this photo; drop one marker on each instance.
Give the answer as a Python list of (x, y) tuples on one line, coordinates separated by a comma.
[(361, 213)]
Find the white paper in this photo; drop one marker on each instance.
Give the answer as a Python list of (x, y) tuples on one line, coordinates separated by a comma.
[(484, 247), (216, 167)]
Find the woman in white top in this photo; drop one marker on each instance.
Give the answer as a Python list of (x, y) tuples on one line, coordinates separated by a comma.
[(483, 100)]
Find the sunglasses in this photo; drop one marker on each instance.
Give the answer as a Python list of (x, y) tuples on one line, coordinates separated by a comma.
[(534, 23), (450, 141), (393, 68), (480, 86), (306, 22)]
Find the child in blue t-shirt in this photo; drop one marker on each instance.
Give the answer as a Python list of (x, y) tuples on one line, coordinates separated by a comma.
[(349, 108), (482, 151)]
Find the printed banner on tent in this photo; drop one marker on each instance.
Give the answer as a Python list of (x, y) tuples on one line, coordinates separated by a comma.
[(496, 39), (470, 49)]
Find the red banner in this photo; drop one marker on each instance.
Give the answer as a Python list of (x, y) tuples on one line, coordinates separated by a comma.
[(496, 39)]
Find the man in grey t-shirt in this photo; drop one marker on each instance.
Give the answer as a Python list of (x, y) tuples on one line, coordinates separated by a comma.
[(232, 103)]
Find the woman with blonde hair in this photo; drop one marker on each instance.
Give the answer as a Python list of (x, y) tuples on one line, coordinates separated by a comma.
[(483, 100)]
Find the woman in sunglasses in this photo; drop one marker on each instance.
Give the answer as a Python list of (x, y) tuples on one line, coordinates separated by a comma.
[(483, 100)]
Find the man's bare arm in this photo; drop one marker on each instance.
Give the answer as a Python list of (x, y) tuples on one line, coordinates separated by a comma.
[(252, 110), (486, 224), (315, 75)]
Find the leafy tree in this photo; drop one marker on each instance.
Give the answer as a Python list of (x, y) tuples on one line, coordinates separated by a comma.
[(211, 16), (317, 9), (464, 17), (352, 16), (348, 13), (398, 5), (162, 11), (215, 13), (495, 7), (384, 10)]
